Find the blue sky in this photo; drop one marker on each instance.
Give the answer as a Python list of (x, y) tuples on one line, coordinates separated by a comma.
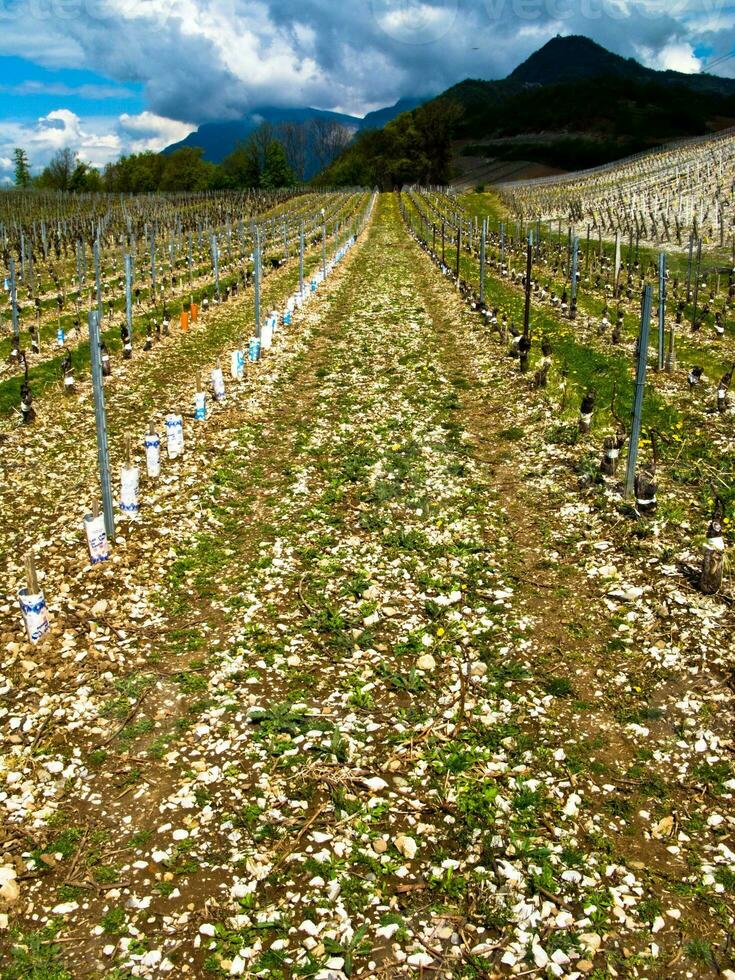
[(28, 91), (112, 76)]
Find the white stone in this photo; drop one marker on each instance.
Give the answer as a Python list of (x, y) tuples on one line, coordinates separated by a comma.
[(420, 959), (540, 957), (406, 846)]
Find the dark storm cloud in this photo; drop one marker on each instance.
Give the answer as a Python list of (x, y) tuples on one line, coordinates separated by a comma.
[(214, 59)]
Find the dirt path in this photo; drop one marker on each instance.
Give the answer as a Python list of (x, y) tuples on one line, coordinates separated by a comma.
[(386, 718)]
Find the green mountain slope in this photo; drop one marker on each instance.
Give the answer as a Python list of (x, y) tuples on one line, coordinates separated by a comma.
[(572, 104)]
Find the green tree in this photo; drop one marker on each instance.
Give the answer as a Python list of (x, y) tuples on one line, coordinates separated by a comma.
[(416, 147), (85, 178), (276, 171), (139, 173), (242, 167), (186, 171), (22, 168), (435, 124)]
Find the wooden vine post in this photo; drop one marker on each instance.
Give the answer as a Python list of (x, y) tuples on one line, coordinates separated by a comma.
[(713, 562), (31, 575), (524, 345)]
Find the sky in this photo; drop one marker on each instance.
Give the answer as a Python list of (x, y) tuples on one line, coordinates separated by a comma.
[(108, 77)]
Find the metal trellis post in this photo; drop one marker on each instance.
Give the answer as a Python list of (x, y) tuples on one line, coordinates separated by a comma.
[(661, 308), (129, 294), (103, 453), (257, 283), (483, 239), (640, 384)]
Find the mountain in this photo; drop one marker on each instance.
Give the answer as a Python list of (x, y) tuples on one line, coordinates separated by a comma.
[(567, 59), (571, 105), (218, 139), (381, 117), (575, 57)]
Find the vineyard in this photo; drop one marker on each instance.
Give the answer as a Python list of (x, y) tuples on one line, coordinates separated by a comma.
[(685, 191), (367, 609)]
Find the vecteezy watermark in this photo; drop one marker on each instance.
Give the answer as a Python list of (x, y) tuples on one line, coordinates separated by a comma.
[(556, 12), (153, 15), (427, 21), (415, 21)]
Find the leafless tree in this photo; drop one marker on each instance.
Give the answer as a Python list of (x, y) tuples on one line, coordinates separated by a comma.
[(294, 138), (261, 139), (327, 139)]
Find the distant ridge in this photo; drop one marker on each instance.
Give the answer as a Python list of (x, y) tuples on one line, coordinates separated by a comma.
[(573, 104), (570, 106), (575, 57), (218, 139)]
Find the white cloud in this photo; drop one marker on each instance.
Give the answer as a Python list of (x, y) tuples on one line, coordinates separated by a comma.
[(147, 131), (201, 60), (678, 56), (96, 139)]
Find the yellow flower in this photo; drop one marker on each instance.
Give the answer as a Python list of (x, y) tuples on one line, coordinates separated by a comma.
[(440, 631), (395, 447)]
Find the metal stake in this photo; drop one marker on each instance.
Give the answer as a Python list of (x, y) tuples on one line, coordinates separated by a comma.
[(103, 453), (215, 264), (483, 238), (661, 307), (689, 268), (324, 247), (640, 384), (153, 265), (527, 308), (14, 302), (98, 279), (129, 295), (257, 283), (698, 275)]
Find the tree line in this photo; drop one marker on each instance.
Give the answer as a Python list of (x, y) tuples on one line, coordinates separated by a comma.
[(271, 156), (416, 147)]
